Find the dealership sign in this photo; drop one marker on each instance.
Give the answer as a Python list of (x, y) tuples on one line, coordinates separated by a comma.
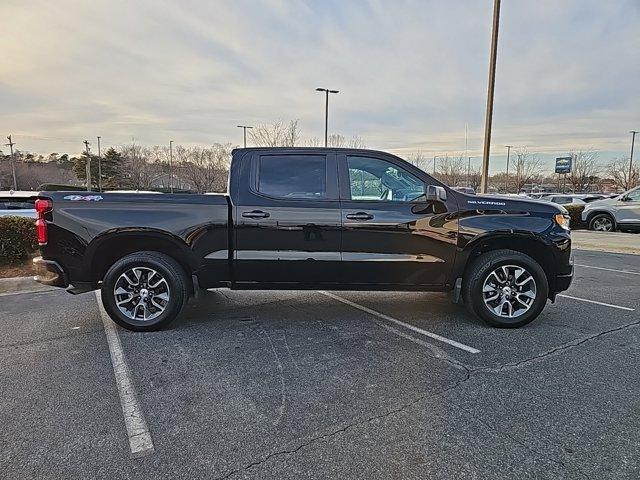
[(563, 164)]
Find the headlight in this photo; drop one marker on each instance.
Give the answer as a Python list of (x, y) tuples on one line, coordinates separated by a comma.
[(562, 220)]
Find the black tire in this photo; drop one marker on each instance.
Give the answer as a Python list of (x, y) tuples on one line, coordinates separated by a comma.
[(177, 290), (602, 219), (481, 269)]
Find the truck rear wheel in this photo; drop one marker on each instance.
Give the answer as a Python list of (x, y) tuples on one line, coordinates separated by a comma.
[(505, 288), (144, 291)]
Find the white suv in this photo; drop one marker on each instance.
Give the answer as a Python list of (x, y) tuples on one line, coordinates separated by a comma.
[(618, 213)]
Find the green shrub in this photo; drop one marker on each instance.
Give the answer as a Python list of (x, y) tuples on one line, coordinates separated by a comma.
[(18, 239), (575, 212)]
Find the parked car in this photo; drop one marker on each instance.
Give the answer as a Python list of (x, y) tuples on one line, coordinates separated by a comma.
[(621, 212), (467, 190), (572, 199), (18, 203), (306, 218)]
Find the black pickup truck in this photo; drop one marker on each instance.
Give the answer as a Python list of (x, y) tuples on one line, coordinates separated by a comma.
[(306, 218)]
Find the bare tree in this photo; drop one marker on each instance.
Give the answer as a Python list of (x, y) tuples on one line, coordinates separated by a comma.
[(337, 140), (618, 170), (139, 172), (206, 169), (584, 170), (420, 160), (528, 168), (277, 135), (451, 170)]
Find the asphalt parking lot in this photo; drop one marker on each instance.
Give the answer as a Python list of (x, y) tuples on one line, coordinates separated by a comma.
[(327, 385)]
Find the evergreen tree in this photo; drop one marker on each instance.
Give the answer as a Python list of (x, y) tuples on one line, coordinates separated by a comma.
[(111, 167)]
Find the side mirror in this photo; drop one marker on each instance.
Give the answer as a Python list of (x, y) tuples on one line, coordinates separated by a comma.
[(435, 193)]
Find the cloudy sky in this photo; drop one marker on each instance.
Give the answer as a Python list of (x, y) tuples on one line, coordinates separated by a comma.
[(411, 74)]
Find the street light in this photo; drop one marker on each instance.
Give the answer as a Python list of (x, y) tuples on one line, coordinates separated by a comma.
[(633, 140), (244, 132), (99, 167), (326, 111), (171, 166), (506, 180)]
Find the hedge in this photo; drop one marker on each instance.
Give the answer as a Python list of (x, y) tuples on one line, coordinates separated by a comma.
[(575, 212), (18, 239)]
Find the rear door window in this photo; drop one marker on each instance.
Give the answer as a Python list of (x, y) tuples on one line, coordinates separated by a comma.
[(293, 176)]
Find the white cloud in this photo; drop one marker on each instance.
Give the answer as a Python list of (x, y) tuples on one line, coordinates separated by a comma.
[(410, 73)]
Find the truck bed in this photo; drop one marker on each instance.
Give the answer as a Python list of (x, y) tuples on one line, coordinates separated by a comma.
[(82, 224)]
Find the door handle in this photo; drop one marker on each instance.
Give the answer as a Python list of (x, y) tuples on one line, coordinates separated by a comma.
[(255, 214), (360, 216)]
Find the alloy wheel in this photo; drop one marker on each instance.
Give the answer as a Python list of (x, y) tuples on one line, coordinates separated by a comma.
[(141, 293), (509, 291), (603, 224)]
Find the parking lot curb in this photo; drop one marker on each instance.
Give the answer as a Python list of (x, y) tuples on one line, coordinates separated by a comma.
[(21, 285)]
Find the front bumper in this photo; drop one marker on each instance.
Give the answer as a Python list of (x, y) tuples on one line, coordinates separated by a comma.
[(49, 272)]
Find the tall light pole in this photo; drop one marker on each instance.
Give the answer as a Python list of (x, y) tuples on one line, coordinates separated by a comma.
[(326, 112), (99, 167), (13, 162), (88, 165), (244, 133), (633, 140), (484, 182), (171, 166), (506, 180)]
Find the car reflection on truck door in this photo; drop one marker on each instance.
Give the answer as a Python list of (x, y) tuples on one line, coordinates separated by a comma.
[(391, 234), (288, 221)]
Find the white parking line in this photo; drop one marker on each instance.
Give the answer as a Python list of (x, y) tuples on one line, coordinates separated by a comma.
[(597, 303), (426, 333), (608, 269), (140, 442)]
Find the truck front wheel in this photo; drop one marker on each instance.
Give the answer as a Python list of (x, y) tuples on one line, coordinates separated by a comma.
[(505, 288), (144, 291)]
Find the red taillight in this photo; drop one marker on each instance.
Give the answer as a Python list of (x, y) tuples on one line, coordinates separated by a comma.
[(42, 206)]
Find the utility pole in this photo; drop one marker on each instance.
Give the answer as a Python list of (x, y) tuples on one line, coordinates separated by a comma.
[(484, 182), (13, 163), (518, 173), (326, 112), (633, 140), (506, 180), (434, 165), (88, 165), (99, 167), (171, 166), (244, 131)]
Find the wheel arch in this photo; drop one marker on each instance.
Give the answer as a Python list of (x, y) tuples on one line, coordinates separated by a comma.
[(531, 245), (109, 247), (593, 213)]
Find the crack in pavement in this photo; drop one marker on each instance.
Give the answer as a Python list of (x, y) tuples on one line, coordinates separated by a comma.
[(522, 444), (38, 341), (553, 352), (469, 373), (343, 429)]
